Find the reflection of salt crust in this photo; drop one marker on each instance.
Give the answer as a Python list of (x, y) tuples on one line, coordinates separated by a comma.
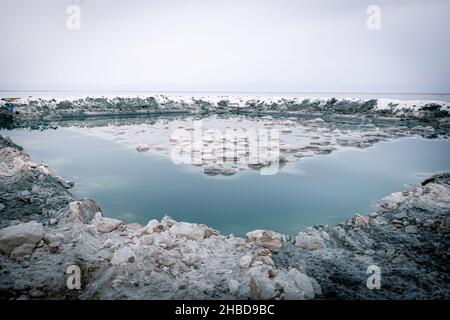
[(216, 149)]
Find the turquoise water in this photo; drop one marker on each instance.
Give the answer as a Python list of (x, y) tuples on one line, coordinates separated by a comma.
[(319, 190)]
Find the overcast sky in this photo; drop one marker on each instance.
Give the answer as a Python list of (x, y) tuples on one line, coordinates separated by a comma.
[(226, 45)]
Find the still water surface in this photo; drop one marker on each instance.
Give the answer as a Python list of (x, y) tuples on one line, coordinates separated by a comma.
[(320, 190)]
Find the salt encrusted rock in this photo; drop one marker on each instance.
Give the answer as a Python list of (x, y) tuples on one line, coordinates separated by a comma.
[(309, 239), (245, 261), (297, 286), (267, 260), (22, 251), (263, 252), (261, 288), (266, 238), (12, 162), (169, 258), (268, 283), (392, 201), (259, 234), (361, 221), (84, 210), (273, 245), (168, 221), (233, 286), (153, 226), (411, 229), (123, 256), (108, 243), (192, 259), (190, 231), (49, 238), (400, 216), (28, 234), (178, 268), (148, 239), (105, 225)]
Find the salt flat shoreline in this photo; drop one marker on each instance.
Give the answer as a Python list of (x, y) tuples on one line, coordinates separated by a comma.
[(45, 230), (50, 108)]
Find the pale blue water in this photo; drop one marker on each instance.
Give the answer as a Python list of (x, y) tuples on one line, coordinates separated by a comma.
[(319, 190)]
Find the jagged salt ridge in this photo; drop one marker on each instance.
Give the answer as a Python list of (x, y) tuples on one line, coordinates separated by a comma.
[(54, 107)]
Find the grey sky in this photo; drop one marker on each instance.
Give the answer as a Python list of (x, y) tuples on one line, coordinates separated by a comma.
[(279, 45)]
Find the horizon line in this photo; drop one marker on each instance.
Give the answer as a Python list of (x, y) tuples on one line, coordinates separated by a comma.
[(228, 92)]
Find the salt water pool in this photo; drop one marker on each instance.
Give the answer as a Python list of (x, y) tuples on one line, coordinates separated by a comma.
[(324, 189)]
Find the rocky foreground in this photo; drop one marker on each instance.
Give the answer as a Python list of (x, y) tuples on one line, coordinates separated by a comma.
[(44, 230)]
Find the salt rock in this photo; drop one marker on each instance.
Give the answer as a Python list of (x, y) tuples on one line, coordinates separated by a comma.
[(49, 238), (105, 225), (123, 256), (266, 238), (187, 230), (233, 286), (261, 287), (168, 221), (361, 221), (148, 239), (22, 251), (309, 239), (153, 226), (411, 229), (299, 286), (267, 260), (29, 233), (85, 210), (169, 258), (245, 261)]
